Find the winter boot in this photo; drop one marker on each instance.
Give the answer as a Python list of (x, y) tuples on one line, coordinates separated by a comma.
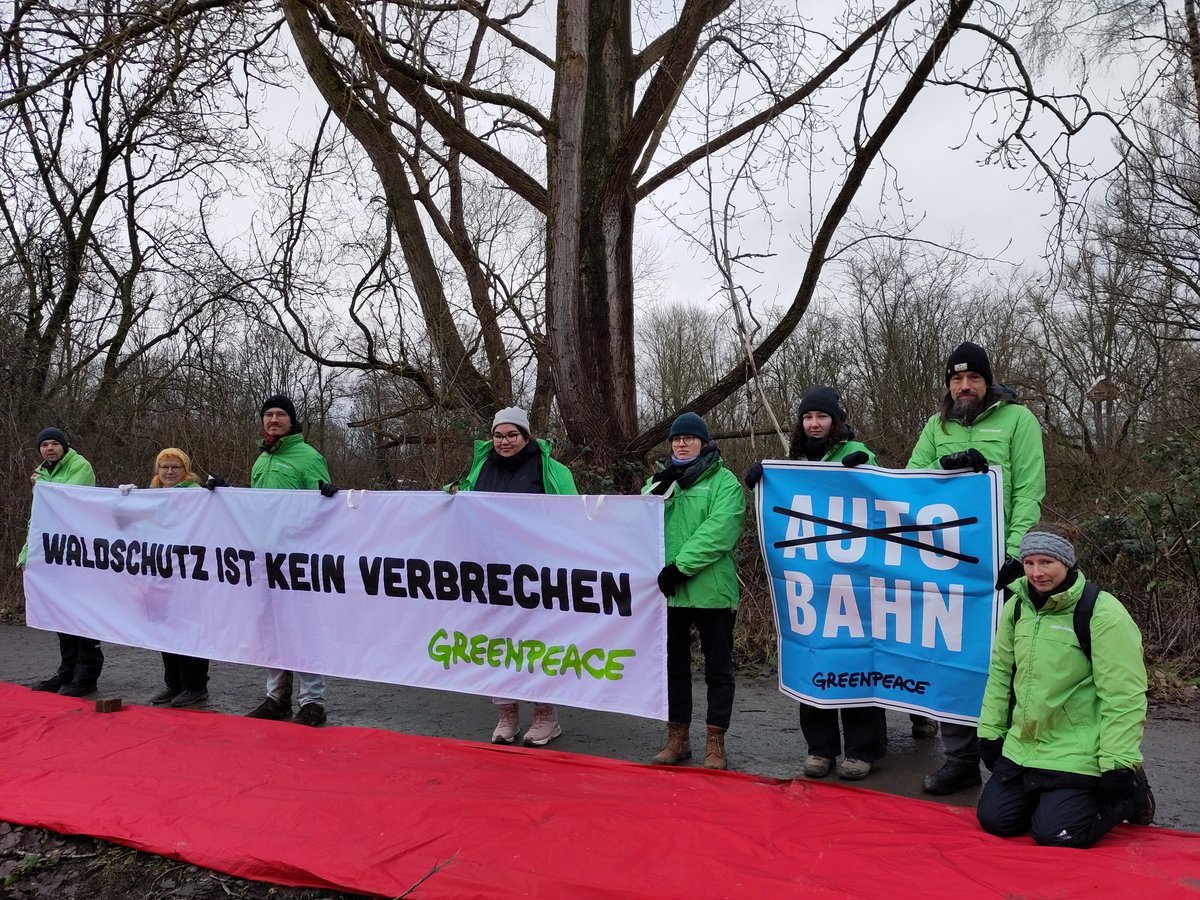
[(923, 728), (678, 746), (953, 776), (714, 748)]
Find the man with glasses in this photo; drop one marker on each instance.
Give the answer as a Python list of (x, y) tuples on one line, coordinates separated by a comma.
[(702, 522), (513, 463)]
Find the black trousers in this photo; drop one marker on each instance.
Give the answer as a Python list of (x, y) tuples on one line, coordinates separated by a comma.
[(716, 642), (80, 659), (1060, 809), (185, 673), (865, 730)]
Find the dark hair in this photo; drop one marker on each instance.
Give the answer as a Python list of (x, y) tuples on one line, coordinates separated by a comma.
[(839, 431)]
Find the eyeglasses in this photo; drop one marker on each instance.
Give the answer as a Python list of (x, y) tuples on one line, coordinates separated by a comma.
[(167, 468), (506, 438), (684, 439)]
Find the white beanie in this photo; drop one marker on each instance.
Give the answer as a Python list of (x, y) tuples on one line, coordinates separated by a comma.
[(512, 415)]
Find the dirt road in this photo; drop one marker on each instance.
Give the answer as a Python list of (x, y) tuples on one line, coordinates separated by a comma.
[(765, 737)]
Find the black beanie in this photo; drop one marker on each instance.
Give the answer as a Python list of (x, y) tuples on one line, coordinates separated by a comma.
[(53, 434), (968, 357), (822, 398), (279, 401), (690, 423)]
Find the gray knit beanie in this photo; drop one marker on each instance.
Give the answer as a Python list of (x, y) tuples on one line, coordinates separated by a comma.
[(1044, 543), (512, 415)]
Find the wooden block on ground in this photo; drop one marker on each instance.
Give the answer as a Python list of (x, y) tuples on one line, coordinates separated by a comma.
[(108, 705)]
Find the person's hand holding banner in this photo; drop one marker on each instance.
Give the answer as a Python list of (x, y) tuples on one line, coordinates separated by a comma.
[(857, 458), (754, 475), (965, 459)]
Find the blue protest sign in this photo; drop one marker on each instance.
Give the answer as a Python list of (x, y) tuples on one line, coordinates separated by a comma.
[(883, 584)]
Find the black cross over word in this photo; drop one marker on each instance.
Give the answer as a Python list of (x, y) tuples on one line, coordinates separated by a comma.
[(887, 534)]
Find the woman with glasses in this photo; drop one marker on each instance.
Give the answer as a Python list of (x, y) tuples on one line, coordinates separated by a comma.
[(702, 521), (186, 677), (513, 463)]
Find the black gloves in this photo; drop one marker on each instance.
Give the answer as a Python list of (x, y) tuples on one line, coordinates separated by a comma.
[(857, 458), (670, 579), (327, 488), (1009, 572), (990, 750), (965, 459), (1118, 788), (213, 481), (753, 475)]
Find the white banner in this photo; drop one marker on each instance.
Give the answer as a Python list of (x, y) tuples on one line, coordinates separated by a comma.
[(545, 598)]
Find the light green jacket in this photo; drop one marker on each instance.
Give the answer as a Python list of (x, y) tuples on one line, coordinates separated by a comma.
[(702, 525), (71, 469), (1071, 714), (1009, 436), (293, 464)]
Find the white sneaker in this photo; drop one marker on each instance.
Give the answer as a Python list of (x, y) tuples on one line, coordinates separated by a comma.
[(545, 726), (850, 769), (817, 766), (509, 724)]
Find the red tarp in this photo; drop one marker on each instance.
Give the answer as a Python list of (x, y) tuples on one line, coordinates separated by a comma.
[(374, 811)]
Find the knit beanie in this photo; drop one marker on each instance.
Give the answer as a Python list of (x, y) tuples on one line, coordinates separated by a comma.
[(968, 357), (53, 434), (512, 415), (822, 399), (1044, 543), (279, 401), (690, 424)]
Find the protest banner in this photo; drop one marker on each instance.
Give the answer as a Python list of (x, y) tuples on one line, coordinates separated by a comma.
[(534, 597), (883, 584)]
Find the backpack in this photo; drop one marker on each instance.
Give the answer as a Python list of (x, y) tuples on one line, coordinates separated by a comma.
[(1082, 618)]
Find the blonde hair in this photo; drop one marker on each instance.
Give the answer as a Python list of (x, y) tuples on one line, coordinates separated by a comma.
[(179, 455)]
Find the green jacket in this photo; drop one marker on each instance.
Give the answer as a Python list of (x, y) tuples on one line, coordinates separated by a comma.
[(702, 526), (71, 469), (838, 452), (556, 478), (1071, 714), (293, 464), (1009, 436)]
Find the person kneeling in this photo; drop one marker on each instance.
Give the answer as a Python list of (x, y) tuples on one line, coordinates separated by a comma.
[(1064, 708)]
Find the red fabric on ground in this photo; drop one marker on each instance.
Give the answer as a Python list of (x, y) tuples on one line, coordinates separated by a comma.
[(374, 811)]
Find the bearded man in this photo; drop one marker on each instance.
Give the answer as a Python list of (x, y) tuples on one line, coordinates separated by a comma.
[(979, 425)]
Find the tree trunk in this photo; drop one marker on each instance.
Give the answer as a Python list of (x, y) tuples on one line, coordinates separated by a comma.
[(589, 234)]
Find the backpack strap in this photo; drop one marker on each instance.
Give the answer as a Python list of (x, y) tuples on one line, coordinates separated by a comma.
[(1082, 620)]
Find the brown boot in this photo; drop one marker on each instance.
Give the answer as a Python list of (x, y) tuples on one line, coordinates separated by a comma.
[(714, 749), (678, 746)]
